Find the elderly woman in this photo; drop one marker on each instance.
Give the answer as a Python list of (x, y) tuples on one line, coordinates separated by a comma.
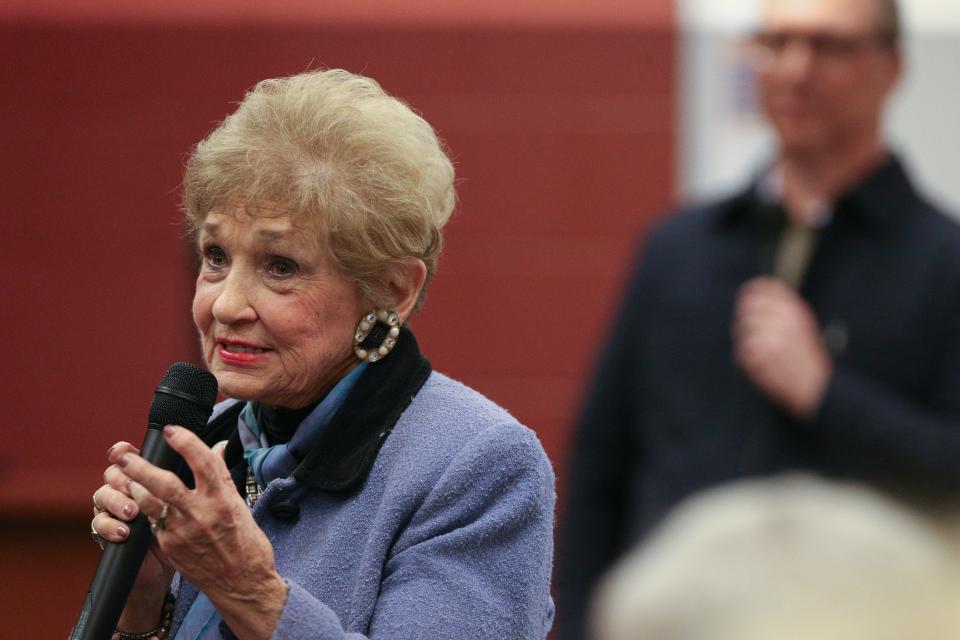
[(357, 493)]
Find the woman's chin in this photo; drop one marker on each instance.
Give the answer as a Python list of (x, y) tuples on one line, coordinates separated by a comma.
[(240, 386)]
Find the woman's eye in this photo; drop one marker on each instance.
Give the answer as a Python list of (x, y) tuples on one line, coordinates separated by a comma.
[(282, 267), (214, 257)]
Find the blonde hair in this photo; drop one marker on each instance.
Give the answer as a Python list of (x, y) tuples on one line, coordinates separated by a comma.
[(336, 147), (784, 559)]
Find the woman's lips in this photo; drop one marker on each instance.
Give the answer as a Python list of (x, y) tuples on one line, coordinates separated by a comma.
[(240, 352)]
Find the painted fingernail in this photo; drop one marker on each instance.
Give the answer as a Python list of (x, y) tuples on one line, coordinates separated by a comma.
[(123, 532), (129, 509), (124, 460), (169, 430)]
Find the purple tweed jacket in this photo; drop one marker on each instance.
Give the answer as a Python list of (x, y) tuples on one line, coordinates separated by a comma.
[(446, 530)]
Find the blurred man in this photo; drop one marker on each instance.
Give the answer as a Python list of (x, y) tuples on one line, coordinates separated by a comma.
[(809, 322)]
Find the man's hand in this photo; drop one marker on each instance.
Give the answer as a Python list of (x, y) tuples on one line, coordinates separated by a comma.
[(777, 341)]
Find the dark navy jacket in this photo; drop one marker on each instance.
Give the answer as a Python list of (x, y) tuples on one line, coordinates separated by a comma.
[(670, 413)]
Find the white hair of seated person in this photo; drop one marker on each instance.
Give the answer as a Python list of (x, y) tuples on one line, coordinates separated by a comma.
[(787, 558)]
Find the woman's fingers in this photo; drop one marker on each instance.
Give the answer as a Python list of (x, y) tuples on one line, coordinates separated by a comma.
[(209, 469), (114, 475), (120, 448), (170, 505), (116, 503), (149, 504), (151, 486), (115, 478), (110, 528), (113, 496)]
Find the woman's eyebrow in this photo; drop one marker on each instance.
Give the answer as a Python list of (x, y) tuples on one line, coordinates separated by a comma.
[(210, 228), (271, 234)]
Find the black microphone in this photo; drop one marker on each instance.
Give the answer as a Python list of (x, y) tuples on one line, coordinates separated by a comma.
[(185, 397)]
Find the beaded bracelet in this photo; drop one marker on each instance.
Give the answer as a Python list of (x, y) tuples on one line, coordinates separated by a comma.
[(160, 632)]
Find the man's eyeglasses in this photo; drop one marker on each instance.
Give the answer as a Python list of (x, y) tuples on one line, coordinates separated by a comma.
[(767, 48)]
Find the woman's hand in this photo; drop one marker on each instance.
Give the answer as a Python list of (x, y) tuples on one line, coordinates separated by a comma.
[(209, 534), (114, 508)]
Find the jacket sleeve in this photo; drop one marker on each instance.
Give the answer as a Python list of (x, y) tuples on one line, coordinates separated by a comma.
[(910, 440), (876, 431), (475, 560), (605, 453)]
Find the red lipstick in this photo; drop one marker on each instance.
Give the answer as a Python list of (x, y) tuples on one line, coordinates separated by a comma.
[(241, 353)]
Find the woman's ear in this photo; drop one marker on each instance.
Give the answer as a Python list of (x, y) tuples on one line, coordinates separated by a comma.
[(407, 277)]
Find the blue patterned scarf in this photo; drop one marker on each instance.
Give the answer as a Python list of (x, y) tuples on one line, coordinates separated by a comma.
[(269, 462)]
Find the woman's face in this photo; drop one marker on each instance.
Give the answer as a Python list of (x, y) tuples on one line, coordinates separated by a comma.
[(276, 319)]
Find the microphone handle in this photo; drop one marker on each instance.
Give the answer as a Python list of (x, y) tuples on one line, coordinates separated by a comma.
[(120, 562)]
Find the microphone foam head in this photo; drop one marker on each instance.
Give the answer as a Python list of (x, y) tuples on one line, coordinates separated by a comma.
[(185, 397)]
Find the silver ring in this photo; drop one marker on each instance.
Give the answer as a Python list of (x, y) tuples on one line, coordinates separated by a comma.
[(97, 509), (96, 537), (157, 524)]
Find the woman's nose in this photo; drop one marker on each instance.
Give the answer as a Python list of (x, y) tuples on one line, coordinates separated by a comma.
[(233, 301)]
